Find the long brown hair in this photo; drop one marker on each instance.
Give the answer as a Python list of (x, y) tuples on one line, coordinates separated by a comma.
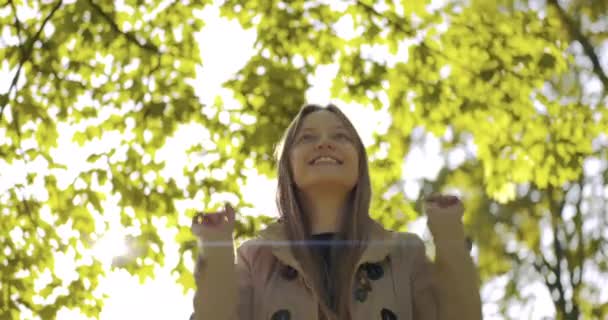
[(355, 221)]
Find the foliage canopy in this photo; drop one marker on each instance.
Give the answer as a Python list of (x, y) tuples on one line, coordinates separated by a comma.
[(508, 83)]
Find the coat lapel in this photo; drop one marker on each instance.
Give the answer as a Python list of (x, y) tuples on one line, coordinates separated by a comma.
[(275, 237), (380, 244)]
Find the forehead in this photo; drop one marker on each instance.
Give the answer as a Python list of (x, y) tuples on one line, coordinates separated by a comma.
[(321, 119)]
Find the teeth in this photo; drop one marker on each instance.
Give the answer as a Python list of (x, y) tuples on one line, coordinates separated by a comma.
[(325, 160)]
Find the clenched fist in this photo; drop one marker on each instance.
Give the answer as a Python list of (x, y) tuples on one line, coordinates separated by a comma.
[(214, 228), (444, 216)]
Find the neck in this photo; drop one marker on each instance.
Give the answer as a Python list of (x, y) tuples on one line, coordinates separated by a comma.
[(325, 209)]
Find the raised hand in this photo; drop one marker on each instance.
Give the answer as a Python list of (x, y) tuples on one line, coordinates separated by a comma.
[(214, 228), (444, 214)]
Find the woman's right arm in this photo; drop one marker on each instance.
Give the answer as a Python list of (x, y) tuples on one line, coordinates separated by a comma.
[(224, 289)]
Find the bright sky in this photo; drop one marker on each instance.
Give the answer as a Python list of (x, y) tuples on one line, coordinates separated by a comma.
[(162, 298)]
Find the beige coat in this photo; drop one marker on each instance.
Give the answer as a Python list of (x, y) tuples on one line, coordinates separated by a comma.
[(267, 283)]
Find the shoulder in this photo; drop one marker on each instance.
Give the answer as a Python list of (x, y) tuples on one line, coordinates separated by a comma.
[(253, 249), (403, 247), (261, 245), (409, 239), (401, 239), (410, 253), (409, 246)]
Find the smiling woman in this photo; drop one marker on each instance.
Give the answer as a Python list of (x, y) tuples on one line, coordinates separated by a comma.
[(324, 161), (326, 258)]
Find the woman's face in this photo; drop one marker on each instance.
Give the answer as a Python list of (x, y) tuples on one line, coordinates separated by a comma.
[(324, 153)]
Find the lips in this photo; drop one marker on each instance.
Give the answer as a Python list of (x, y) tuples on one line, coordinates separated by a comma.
[(325, 160)]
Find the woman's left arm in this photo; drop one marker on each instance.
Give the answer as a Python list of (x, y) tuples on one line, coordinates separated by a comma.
[(454, 272)]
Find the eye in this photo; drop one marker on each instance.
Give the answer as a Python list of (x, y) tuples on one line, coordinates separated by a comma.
[(306, 137), (342, 136)]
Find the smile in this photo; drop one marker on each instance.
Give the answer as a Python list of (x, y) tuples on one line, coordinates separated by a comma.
[(325, 160)]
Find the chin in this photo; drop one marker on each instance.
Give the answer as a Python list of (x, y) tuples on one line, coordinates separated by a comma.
[(329, 184), (328, 179)]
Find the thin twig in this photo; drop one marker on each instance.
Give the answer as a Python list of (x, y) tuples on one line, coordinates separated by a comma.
[(18, 25), (399, 26), (577, 35), (557, 247), (144, 45), (26, 55)]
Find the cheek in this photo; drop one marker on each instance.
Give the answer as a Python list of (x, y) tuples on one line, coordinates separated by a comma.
[(296, 161), (354, 156), (355, 162)]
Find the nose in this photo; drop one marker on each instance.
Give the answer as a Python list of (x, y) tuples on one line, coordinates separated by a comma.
[(325, 143)]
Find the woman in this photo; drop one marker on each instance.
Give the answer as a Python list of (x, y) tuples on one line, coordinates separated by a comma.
[(326, 258)]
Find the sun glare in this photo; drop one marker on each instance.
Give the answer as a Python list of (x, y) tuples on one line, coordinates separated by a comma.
[(111, 245)]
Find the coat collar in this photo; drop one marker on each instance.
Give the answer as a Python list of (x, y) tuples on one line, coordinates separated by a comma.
[(380, 244)]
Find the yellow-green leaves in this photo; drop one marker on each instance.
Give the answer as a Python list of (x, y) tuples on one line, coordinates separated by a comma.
[(104, 71), (497, 75), (500, 78)]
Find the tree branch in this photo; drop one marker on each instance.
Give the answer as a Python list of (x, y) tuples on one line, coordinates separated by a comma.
[(580, 250), (399, 25), (17, 24), (26, 54), (128, 35), (577, 35), (557, 248)]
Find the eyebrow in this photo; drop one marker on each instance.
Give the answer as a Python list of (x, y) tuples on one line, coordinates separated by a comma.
[(313, 129)]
